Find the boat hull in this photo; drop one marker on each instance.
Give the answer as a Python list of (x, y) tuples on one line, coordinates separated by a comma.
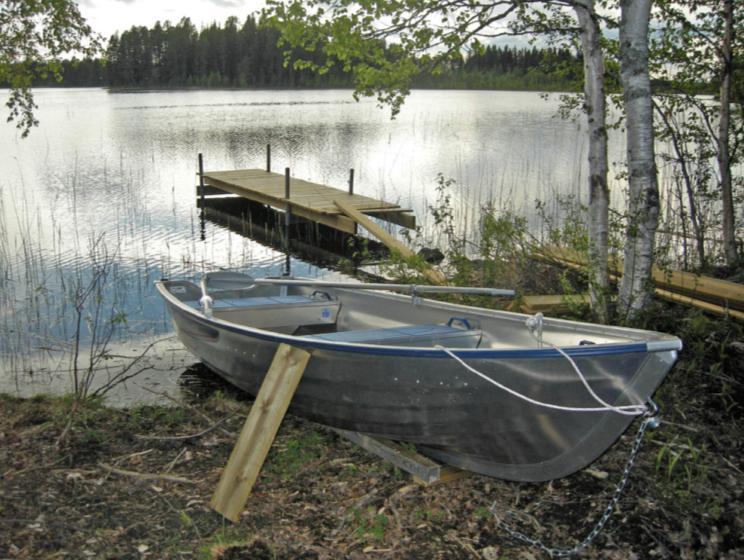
[(429, 399)]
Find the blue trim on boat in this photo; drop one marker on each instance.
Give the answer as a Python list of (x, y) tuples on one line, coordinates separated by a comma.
[(419, 352)]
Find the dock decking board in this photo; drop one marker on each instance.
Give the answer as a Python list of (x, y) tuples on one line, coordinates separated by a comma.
[(308, 200)]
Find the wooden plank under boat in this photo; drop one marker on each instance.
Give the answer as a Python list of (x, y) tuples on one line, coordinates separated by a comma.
[(394, 366)]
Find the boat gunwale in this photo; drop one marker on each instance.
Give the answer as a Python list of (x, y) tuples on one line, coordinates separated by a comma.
[(664, 343)]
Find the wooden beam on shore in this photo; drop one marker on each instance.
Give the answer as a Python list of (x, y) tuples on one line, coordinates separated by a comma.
[(724, 296), (552, 302), (700, 287), (699, 304), (259, 431), (433, 275)]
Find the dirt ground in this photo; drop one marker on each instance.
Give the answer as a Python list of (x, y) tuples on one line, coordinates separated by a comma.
[(137, 483)]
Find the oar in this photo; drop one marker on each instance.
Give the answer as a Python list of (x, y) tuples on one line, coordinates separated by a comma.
[(226, 280), (219, 280), (411, 288)]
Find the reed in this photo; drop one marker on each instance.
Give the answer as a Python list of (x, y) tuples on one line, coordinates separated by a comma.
[(65, 297)]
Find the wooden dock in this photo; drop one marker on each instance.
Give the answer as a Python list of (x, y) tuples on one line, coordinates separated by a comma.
[(311, 201)]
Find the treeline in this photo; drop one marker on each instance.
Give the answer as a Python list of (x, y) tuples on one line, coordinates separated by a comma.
[(244, 56), (503, 67), (217, 56), (175, 56), (511, 60)]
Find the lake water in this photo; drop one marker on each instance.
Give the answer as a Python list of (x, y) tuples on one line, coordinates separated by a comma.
[(109, 179)]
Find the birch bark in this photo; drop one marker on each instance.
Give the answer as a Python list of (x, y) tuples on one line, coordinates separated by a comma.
[(599, 194), (643, 190)]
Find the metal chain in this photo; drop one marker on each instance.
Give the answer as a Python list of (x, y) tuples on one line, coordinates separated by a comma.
[(649, 421)]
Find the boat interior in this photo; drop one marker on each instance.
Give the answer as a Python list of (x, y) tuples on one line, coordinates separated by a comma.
[(359, 316), (322, 314)]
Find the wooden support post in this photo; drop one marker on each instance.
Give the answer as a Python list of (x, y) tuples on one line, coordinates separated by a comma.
[(202, 198), (434, 276), (547, 303), (287, 220), (351, 181), (268, 158), (259, 431), (201, 177)]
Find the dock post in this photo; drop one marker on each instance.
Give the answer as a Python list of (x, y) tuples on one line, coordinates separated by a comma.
[(287, 219), (351, 181), (202, 198), (268, 158)]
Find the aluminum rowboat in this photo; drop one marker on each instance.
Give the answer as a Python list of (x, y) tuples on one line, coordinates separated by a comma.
[(384, 364)]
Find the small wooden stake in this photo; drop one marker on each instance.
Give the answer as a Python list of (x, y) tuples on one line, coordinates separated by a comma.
[(268, 158), (259, 431)]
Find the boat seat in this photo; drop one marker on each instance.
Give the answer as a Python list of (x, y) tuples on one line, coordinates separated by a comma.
[(411, 335), (277, 313), (246, 302)]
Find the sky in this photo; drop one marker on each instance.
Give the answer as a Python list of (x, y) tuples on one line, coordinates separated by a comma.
[(109, 16)]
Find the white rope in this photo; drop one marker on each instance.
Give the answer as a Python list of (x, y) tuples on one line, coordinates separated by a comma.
[(637, 409), (626, 410)]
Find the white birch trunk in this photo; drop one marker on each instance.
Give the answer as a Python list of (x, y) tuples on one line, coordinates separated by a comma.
[(643, 190), (599, 193)]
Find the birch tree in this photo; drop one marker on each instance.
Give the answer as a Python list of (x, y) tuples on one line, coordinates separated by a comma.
[(643, 191), (724, 125), (599, 192)]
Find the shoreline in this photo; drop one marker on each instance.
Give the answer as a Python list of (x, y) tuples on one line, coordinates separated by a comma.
[(165, 89)]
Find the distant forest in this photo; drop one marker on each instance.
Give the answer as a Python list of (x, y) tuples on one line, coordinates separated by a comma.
[(235, 56)]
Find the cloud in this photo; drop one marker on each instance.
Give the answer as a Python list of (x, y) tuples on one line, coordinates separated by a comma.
[(228, 3)]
